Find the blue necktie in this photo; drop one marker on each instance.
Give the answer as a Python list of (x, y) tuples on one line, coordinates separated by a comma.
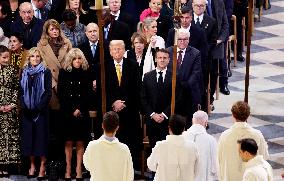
[(209, 9), (93, 48)]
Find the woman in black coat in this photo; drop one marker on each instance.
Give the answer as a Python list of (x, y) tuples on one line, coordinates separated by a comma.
[(34, 99), (138, 51), (74, 90)]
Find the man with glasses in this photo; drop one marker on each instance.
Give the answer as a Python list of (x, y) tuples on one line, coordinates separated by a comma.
[(208, 24), (30, 26), (189, 75)]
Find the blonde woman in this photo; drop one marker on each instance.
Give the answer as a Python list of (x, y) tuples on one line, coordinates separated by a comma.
[(35, 95), (148, 27), (74, 90)]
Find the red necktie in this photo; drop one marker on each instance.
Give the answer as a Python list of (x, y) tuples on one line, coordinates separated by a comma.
[(179, 58)]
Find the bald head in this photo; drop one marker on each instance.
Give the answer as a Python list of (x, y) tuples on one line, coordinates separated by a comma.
[(200, 117), (92, 32), (26, 12)]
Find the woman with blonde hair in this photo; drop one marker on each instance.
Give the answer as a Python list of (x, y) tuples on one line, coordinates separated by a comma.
[(74, 90), (54, 46), (35, 95), (148, 27)]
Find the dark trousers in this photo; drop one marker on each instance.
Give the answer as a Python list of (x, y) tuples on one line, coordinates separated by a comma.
[(157, 131)]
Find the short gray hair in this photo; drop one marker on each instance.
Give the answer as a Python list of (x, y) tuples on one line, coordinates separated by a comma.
[(184, 31), (200, 117)]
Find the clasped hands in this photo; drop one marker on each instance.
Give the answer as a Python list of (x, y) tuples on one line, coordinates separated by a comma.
[(118, 105), (158, 117), (6, 108)]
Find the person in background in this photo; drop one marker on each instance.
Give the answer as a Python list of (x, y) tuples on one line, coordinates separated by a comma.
[(230, 164), (54, 46), (18, 54), (256, 167), (30, 26), (5, 17), (35, 94), (138, 50), (148, 27), (99, 157), (3, 39), (164, 23), (74, 88), (206, 144), (175, 158), (10, 146), (40, 8), (72, 29), (83, 16)]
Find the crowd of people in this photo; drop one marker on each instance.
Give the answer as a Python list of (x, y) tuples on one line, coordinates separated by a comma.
[(51, 79)]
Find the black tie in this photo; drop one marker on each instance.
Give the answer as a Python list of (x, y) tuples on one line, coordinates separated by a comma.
[(160, 78), (198, 22)]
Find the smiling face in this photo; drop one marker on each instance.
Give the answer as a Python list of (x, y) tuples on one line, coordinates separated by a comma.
[(15, 44), (4, 58), (199, 7), (155, 5), (35, 59)]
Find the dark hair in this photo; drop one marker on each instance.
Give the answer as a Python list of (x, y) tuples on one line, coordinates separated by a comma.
[(69, 15), (18, 35), (249, 145), (241, 111), (187, 9), (110, 121), (177, 124), (163, 51), (6, 9), (3, 49)]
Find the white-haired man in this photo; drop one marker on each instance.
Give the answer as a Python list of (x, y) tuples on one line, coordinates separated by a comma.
[(206, 144)]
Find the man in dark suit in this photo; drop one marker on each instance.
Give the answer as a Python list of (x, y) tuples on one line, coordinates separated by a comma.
[(115, 30), (189, 75), (216, 9), (208, 24), (197, 36), (156, 93), (30, 26), (91, 50), (114, 6), (123, 96)]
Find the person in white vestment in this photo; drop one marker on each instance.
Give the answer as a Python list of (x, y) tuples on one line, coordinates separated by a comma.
[(174, 158), (107, 159), (230, 165), (206, 144), (256, 168)]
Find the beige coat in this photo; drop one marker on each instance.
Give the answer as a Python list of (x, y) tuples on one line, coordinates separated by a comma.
[(54, 64)]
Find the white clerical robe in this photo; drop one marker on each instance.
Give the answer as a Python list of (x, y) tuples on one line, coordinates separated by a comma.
[(108, 160), (230, 165), (174, 159), (207, 148), (257, 169)]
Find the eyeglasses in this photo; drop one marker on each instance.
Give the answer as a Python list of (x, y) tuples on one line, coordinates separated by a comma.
[(199, 5), (183, 39)]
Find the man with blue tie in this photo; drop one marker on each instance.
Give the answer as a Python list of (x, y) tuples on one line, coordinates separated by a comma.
[(40, 9)]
